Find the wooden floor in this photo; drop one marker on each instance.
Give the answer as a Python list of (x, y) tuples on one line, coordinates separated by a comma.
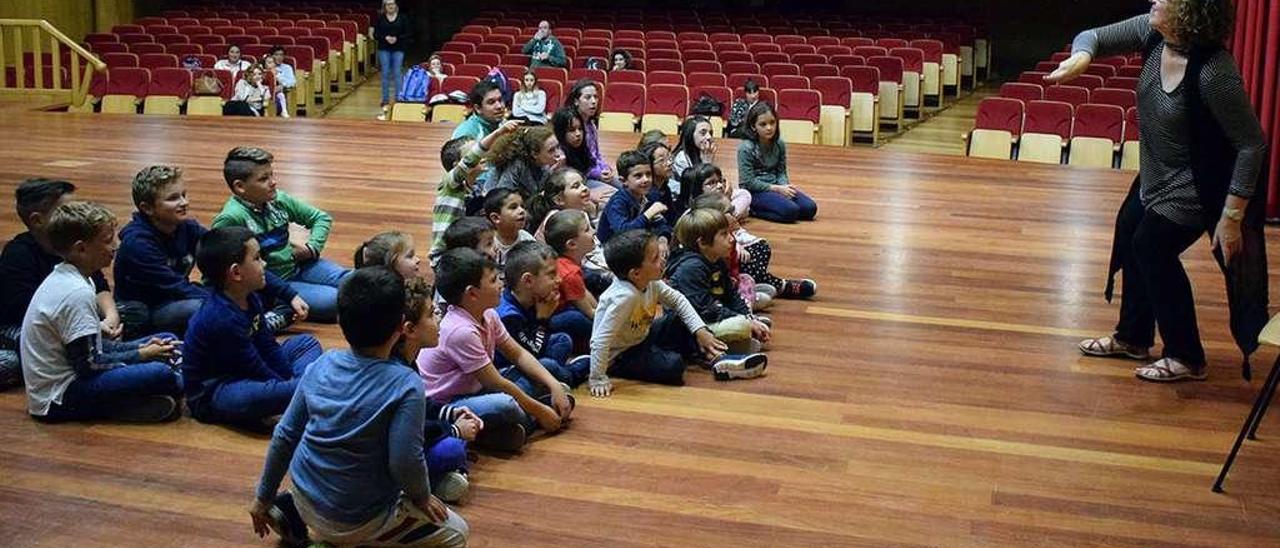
[(930, 395)]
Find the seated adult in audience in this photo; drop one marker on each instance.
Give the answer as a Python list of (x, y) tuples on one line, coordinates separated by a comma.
[(487, 110), (544, 49), (233, 63), (530, 103), (27, 259), (72, 372), (621, 60), (522, 160), (251, 96)]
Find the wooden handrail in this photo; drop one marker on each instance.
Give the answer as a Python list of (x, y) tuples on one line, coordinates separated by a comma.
[(80, 79)]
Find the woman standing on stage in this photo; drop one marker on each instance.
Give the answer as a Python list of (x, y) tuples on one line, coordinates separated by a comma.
[(1201, 149)]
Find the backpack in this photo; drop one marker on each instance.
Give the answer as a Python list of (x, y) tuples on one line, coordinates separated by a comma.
[(707, 106), (416, 86), (500, 79)]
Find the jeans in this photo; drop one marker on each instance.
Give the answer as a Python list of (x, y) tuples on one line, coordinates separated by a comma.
[(447, 455), (248, 401), (574, 323), (771, 206), (500, 414), (660, 358), (1156, 290), (391, 63), (98, 395), (317, 283), (140, 319)]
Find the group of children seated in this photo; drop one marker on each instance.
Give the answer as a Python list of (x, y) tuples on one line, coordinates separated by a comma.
[(526, 306)]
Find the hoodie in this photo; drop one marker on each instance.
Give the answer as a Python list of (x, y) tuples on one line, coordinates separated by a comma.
[(155, 268), (707, 285)]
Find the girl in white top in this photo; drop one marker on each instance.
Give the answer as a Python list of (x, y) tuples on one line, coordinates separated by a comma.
[(233, 63), (530, 102), (253, 91)]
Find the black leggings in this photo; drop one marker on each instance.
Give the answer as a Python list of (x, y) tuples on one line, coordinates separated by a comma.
[(1156, 290), (758, 267)]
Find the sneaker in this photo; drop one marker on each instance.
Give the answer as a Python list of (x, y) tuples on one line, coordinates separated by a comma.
[(276, 321), (750, 366), (382, 117), (287, 522), (803, 288), (150, 409), (767, 289), (452, 487), (763, 301), (765, 320)]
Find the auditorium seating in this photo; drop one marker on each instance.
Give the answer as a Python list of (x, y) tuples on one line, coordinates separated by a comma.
[(1096, 135), (1129, 155), (996, 129), (1045, 132)]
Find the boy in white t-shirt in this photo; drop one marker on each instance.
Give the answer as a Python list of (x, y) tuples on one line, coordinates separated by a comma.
[(71, 371)]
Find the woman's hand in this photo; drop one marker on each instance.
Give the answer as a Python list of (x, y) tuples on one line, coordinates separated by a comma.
[(1070, 68), (1227, 238), (391, 39)]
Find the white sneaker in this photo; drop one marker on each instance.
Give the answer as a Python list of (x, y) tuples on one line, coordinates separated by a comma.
[(763, 301), (750, 366), (766, 288), (452, 487)]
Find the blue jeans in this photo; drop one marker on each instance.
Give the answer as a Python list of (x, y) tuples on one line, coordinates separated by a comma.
[(249, 401), (574, 323), (447, 455), (775, 207), (140, 319), (555, 359), (500, 414), (391, 63), (317, 283), (98, 395)]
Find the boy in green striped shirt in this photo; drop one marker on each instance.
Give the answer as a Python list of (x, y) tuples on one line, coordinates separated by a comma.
[(458, 182)]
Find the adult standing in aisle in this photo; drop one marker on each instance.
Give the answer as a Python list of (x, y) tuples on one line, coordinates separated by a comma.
[(392, 32)]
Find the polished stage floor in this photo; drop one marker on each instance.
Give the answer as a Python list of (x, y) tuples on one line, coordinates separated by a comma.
[(931, 395)]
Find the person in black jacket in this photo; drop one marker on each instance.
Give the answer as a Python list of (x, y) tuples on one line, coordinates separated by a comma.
[(698, 270), (392, 33)]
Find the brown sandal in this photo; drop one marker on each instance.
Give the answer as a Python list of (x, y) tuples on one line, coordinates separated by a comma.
[(1110, 347)]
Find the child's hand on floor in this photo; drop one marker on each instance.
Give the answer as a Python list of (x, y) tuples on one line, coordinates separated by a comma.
[(760, 331), (433, 508), (300, 308), (709, 344), (547, 418), (259, 512), (602, 390)]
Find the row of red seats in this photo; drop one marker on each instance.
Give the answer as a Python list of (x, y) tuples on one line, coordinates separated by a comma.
[(143, 82), (168, 60), (218, 49), (686, 20), (1059, 118), (1073, 95)]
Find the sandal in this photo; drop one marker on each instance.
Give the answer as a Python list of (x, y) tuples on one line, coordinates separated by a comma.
[(1110, 347), (1170, 370)]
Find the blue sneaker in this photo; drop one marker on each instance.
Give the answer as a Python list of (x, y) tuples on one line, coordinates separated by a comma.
[(735, 367)]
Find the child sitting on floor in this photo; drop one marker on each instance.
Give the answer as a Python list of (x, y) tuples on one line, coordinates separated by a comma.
[(257, 204), (526, 311), (458, 182), (762, 170), (235, 371), (27, 260), (461, 371), (637, 205), (569, 234), (697, 269), (564, 189), (504, 207), (629, 340), (393, 250), (448, 427), (72, 371), (352, 439)]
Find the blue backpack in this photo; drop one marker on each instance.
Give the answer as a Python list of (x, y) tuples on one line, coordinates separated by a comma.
[(416, 86)]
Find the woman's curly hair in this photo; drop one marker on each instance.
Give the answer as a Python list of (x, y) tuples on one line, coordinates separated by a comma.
[(1203, 23), (521, 145)]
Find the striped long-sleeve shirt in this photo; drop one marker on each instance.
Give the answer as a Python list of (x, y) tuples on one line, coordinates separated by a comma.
[(1167, 184)]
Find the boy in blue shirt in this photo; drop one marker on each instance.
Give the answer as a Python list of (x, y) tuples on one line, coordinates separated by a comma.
[(638, 206), (236, 372), (352, 438), (532, 295)]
